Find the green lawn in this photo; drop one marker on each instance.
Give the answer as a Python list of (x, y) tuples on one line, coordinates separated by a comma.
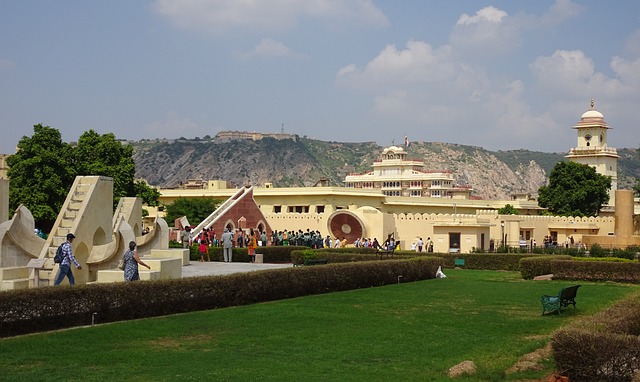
[(409, 332)]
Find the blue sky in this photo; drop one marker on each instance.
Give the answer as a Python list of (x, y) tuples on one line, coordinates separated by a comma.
[(496, 74)]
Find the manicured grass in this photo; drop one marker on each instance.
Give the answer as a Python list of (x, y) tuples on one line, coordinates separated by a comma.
[(410, 332)]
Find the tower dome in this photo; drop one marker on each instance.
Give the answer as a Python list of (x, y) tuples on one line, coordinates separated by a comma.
[(591, 118), (592, 114), (592, 148)]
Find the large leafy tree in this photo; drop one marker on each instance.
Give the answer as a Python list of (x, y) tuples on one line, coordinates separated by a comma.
[(574, 189), (195, 209), (43, 169), (41, 172), (98, 154), (148, 194)]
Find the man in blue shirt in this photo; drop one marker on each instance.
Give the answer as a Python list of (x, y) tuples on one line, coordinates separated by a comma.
[(65, 265)]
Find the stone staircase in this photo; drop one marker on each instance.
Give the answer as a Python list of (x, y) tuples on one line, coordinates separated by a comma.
[(65, 223), (211, 219)]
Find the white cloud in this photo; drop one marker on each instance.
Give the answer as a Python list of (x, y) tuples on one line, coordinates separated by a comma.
[(418, 63), (627, 70), (514, 119), (560, 11), (570, 65), (270, 48), (460, 88), (219, 16), (572, 73), (488, 14), (346, 70), (491, 31)]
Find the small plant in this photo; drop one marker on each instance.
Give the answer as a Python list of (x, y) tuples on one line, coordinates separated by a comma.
[(597, 251), (630, 253)]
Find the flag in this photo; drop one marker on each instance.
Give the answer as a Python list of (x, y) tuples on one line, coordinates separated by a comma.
[(406, 141)]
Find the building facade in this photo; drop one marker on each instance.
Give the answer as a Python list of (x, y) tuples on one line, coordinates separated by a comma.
[(399, 197), (395, 175)]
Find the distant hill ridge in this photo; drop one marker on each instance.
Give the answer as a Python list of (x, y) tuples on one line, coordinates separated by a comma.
[(299, 161)]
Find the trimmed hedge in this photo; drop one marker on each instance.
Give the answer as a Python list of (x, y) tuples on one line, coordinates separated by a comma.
[(602, 347), (487, 261), (274, 254), (345, 255), (563, 268), (531, 267), (43, 309)]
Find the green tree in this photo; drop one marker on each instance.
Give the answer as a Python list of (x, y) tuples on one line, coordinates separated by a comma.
[(195, 209), (508, 209), (104, 155), (148, 194), (98, 154), (574, 190), (41, 171)]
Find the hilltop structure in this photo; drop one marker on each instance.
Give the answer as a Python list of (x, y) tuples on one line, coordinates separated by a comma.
[(395, 175)]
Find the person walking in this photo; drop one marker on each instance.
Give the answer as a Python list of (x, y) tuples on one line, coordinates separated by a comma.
[(185, 236), (429, 245), (251, 246), (131, 261), (203, 248), (227, 244), (65, 264)]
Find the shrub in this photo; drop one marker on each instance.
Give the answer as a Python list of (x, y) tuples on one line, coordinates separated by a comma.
[(41, 309), (597, 251), (531, 267), (603, 347), (630, 253), (563, 268)]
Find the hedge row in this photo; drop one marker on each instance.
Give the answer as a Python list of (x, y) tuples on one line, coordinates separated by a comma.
[(563, 268), (43, 309), (602, 347), (345, 255), (487, 261), (275, 254)]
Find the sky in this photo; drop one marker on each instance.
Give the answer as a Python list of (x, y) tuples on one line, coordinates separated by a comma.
[(497, 74)]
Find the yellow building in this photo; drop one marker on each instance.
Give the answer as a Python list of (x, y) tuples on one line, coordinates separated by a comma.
[(398, 197), (395, 175)]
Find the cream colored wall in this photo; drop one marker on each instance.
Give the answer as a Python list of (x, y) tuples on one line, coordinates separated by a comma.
[(4, 200), (410, 218)]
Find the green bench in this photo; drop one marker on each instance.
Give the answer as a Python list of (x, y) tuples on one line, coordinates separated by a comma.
[(564, 298), (459, 262)]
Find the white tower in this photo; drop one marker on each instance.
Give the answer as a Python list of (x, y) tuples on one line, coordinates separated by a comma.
[(592, 148)]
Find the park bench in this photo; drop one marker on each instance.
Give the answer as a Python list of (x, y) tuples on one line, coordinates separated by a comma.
[(564, 298), (459, 262), (312, 262), (385, 252)]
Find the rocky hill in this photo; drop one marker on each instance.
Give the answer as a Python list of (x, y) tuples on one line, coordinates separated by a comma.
[(303, 162)]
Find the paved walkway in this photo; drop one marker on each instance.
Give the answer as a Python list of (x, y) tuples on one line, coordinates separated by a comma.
[(196, 268)]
